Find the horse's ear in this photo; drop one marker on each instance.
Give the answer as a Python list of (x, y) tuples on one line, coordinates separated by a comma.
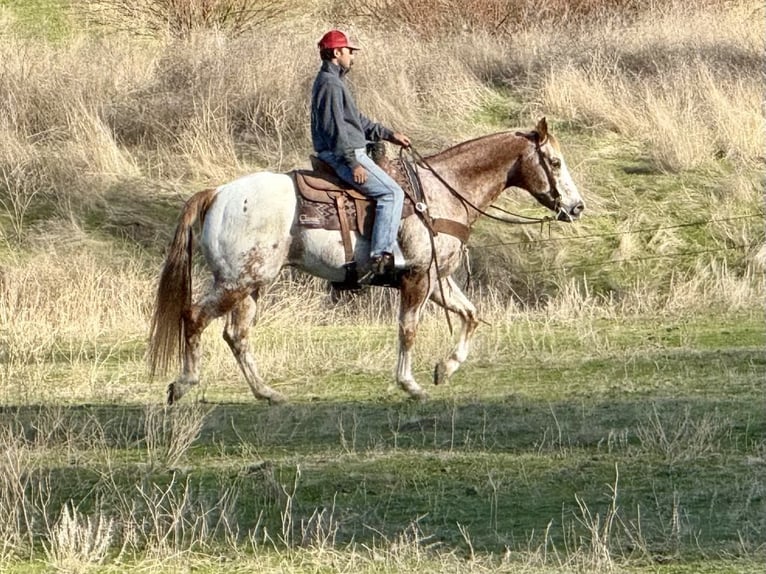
[(542, 130)]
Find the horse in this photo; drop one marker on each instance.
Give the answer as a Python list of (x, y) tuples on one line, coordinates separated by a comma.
[(250, 231)]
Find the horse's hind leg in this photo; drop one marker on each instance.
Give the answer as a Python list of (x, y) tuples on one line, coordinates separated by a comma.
[(454, 300), (216, 302), (235, 334), (195, 321)]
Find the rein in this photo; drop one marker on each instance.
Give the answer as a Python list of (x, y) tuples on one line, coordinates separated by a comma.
[(421, 208), (518, 218)]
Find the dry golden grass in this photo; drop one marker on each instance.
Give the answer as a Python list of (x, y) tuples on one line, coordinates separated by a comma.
[(670, 81)]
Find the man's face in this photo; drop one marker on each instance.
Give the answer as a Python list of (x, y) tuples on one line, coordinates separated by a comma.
[(345, 57)]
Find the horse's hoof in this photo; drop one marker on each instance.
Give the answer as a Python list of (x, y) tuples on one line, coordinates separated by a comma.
[(171, 394), (276, 399), (414, 390), (265, 393)]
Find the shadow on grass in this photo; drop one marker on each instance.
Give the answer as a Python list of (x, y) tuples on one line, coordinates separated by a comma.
[(689, 470)]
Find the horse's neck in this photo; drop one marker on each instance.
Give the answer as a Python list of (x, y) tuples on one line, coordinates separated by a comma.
[(477, 169)]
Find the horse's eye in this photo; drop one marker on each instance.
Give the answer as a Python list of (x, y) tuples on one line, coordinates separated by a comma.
[(556, 162)]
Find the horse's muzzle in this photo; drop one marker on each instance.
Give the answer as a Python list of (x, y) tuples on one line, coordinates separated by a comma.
[(572, 214)]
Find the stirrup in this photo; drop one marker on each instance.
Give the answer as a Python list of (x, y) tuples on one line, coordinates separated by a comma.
[(383, 264), (382, 271), (350, 281)]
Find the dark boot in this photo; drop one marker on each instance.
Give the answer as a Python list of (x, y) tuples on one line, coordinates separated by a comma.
[(382, 264)]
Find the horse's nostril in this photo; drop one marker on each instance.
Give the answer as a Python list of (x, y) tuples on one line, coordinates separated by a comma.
[(578, 208)]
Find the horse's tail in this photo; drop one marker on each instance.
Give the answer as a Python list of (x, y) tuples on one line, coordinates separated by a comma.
[(174, 292)]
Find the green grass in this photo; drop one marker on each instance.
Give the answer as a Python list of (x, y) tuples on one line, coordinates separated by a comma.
[(591, 438), (668, 411), (48, 19)]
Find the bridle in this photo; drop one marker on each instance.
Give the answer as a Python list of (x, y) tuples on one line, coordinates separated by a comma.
[(553, 189), (422, 207)]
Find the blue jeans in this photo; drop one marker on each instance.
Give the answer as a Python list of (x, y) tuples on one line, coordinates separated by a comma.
[(379, 186)]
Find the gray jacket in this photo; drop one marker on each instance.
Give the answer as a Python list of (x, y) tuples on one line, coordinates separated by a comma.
[(336, 123)]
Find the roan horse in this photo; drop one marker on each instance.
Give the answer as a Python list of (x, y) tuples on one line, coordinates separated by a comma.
[(250, 232)]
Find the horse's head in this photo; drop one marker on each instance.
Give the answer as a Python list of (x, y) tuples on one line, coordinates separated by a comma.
[(543, 172)]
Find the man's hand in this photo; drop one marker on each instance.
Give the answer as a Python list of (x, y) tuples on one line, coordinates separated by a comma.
[(360, 174), (401, 139)]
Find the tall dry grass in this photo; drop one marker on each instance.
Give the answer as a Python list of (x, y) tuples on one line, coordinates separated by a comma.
[(680, 81), (679, 78)]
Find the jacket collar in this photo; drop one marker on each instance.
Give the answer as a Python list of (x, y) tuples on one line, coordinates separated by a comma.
[(334, 69)]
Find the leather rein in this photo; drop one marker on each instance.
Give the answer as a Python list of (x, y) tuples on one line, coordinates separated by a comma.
[(421, 206)]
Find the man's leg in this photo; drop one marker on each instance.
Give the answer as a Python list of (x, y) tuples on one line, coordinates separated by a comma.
[(389, 199), (388, 196)]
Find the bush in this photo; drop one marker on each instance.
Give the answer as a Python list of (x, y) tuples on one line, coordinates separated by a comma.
[(427, 18), (180, 18)]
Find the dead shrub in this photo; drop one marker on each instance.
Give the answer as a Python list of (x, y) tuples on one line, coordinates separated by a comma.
[(429, 18), (180, 18)]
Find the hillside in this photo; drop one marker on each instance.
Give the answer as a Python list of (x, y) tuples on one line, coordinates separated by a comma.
[(609, 417), (105, 134)]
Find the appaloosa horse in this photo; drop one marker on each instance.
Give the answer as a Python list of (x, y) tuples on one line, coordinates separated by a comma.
[(250, 231)]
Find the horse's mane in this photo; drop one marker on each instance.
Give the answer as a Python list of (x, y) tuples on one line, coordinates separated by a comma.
[(460, 148)]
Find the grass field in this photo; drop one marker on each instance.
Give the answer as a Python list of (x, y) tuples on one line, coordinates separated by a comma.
[(576, 445), (610, 417)]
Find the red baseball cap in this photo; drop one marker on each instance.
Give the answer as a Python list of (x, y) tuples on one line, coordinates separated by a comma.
[(335, 39)]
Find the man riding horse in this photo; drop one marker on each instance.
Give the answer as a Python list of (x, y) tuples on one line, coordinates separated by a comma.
[(339, 133), (255, 226)]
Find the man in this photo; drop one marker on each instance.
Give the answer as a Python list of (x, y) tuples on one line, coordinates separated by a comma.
[(340, 133)]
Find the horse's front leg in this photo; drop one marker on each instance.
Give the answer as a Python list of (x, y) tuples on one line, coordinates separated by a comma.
[(414, 289), (454, 300)]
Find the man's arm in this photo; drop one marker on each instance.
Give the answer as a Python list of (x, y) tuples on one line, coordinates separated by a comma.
[(375, 131)]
